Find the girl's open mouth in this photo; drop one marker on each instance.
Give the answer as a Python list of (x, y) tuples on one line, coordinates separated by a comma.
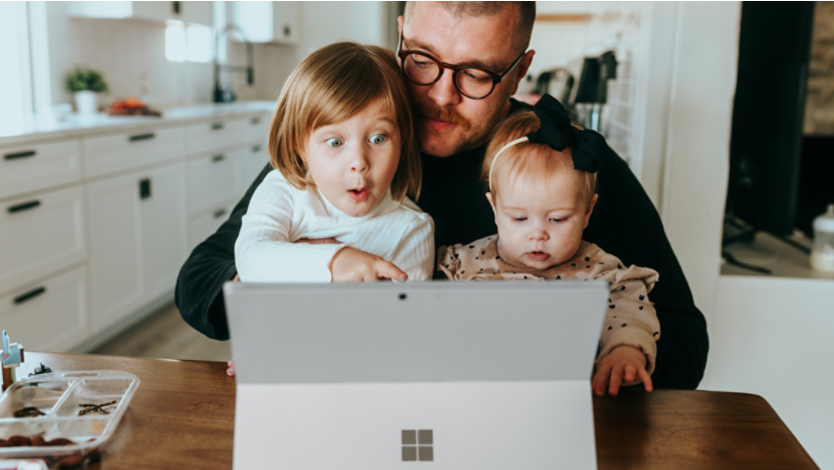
[(359, 195), (538, 255)]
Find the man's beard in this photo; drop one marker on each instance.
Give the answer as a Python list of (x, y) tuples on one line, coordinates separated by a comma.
[(471, 138)]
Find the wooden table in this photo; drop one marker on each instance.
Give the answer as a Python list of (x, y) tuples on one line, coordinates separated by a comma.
[(182, 416)]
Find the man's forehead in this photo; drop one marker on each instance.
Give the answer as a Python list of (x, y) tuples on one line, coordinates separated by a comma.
[(486, 39)]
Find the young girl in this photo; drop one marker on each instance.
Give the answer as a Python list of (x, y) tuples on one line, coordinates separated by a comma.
[(541, 173), (346, 162)]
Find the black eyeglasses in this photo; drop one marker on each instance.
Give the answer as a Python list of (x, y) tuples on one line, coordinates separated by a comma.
[(472, 82)]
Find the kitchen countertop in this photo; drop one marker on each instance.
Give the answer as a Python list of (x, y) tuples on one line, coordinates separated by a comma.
[(46, 127)]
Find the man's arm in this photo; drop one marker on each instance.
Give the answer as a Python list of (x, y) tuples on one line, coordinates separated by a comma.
[(626, 224), (199, 292)]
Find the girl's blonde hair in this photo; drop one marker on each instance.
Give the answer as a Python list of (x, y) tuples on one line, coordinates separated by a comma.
[(527, 157), (331, 85)]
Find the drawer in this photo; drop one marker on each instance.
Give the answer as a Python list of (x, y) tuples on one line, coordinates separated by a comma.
[(40, 235), (215, 135), (49, 316), (124, 151), (255, 159), (34, 167), (203, 226), (214, 179), (257, 129)]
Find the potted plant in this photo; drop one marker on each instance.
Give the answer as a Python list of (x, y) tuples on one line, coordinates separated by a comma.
[(84, 84)]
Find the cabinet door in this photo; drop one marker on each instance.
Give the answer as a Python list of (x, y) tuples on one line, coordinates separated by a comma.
[(214, 179), (286, 22), (50, 315), (115, 263), (256, 158), (164, 222), (254, 18)]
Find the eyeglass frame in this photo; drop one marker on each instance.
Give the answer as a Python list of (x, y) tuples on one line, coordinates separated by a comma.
[(496, 78)]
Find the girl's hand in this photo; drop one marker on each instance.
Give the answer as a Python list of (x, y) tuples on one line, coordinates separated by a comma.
[(623, 363), (352, 265), (231, 370)]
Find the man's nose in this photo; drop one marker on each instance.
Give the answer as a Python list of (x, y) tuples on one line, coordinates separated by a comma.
[(443, 91)]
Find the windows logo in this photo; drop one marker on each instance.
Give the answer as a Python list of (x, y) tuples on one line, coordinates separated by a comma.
[(418, 445)]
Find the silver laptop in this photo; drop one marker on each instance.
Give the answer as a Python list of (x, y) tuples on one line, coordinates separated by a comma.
[(434, 375)]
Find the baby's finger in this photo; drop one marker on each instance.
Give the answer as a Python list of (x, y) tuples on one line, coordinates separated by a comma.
[(616, 380), (230, 371), (630, 372), (601, 379), (647, 379), (386, 270)]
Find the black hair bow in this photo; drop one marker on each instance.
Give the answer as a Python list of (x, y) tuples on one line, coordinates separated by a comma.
[(557, 132)]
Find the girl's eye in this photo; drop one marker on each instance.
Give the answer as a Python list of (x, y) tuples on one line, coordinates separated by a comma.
[(334, 142), (558, 220), (519, 219), (377, 139)]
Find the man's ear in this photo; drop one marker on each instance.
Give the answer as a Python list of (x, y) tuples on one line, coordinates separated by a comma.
[(523, 67), (590, 210), (400, 20)]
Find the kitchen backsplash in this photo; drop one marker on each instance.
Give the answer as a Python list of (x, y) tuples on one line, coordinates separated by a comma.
[(131, 55)]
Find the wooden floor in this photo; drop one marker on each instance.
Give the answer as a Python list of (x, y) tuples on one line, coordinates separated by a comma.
[(166, 335)]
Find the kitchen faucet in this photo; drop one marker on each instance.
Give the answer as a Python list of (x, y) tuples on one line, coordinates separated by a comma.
[(227, 95)]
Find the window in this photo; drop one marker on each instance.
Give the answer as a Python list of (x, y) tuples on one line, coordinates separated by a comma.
[(190, 43), (418, 445)]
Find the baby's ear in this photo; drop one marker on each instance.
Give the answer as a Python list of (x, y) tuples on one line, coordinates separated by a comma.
[(590, 209)]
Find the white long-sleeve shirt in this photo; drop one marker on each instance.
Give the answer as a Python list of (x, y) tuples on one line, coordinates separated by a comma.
[(280, 214)]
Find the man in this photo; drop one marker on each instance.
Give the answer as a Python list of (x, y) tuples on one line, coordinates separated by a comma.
[(456, 41)]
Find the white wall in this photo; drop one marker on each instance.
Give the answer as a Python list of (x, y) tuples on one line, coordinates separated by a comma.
[(327, 22), (698, 140)]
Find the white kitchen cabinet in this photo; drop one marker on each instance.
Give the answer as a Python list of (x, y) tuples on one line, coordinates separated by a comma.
[(32, 167), (128, 150), (266, 22), (41, 234), (214, 179), (215, 135), (256, 158), (50, 315), (137, 240), (203, 226), (191, 12)]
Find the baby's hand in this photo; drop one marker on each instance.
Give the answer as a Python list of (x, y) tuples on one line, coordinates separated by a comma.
[(231, 370), (351, 264), (624, 362)]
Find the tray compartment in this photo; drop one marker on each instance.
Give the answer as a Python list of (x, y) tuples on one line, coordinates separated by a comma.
[(42, 395), (94, 392)]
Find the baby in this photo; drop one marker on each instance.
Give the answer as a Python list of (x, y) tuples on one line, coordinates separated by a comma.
[(541, 173)]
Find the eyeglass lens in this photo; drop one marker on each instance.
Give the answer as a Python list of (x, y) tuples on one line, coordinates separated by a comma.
[(472, 82)]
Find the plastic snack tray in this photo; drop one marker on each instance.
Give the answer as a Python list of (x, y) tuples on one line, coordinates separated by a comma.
[(67, 401)]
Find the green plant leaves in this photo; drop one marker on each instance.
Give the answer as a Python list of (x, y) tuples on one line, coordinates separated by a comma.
[(85, 80)]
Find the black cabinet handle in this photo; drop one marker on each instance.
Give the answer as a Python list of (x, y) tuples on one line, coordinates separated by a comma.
[(256, 120), (14, 156), (219, 213), (287, 31), (23, 207), (217, 126), (175, 6), (29, 295), (256, 148), (135, 138), (218, 158), (145, 188)]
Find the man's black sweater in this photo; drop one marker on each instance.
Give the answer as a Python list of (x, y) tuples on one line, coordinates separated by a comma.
[(624, 223)]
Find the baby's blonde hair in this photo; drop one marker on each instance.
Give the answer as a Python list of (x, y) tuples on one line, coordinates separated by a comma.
[(331, 85), (526, 157)]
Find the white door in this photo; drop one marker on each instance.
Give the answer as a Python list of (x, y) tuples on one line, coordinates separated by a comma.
[(115, 248), (164, 222)]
